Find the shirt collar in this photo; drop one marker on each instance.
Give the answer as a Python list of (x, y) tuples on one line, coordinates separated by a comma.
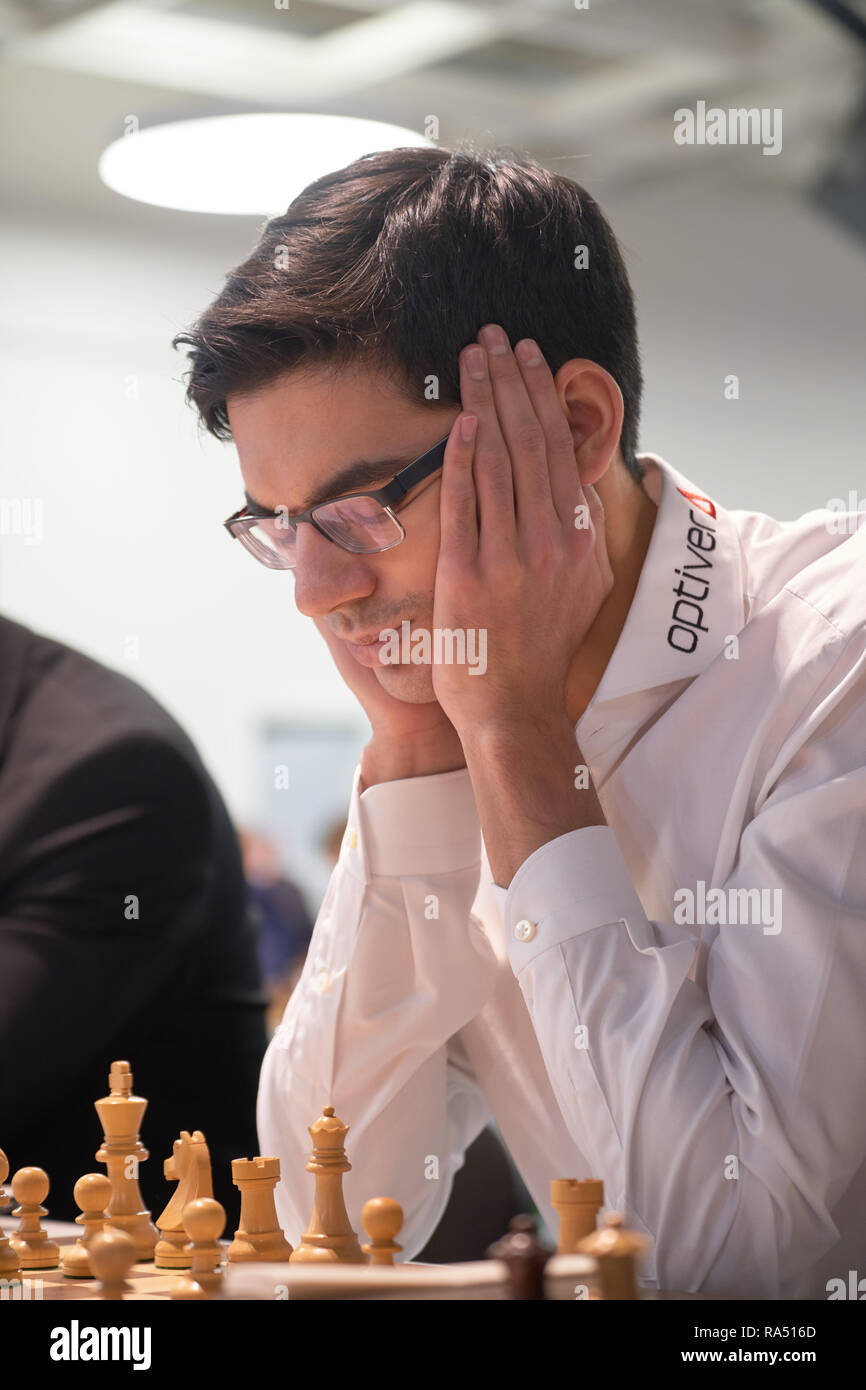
[(689, 597)]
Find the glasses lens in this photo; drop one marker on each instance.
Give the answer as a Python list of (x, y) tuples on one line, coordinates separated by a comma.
[(360, 524), (271, 542)]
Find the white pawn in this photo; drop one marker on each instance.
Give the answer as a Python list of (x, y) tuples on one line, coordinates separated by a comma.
[(382, 1218), (92, 1194), (112, 1255), (204, 1222), (30, 1242), (8, 1255)]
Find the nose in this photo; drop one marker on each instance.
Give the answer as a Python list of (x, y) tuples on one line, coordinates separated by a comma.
[(326, 575)]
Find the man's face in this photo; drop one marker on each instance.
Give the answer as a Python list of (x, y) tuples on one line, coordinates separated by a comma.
[(297, 435)]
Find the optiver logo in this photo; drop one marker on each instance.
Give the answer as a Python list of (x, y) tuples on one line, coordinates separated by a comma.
[(687, 618), (703, 502), (76, 1343)]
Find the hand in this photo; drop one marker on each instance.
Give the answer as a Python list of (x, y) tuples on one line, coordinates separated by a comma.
[(408, 740), (388, 716), (533, 579)]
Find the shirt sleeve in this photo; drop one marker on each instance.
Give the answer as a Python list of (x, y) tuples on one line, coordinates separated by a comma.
[(726, 1118), (396, 966)]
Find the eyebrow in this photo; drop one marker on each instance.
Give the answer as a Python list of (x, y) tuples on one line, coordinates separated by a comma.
[(353, 478)]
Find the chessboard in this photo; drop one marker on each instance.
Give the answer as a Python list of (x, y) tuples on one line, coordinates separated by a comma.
[(412, 1280), (567, 1278), (193, 1259), (145, 1279)]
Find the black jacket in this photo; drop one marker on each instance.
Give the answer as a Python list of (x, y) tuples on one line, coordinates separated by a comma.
[(124, 928)]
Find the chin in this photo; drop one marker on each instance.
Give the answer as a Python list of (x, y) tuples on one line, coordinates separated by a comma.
[(413, 684)]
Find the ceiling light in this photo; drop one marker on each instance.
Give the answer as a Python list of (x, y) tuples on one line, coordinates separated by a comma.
[(250, 164)]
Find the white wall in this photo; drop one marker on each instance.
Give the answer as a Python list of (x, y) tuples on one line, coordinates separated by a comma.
[(740, 279), (728, 280), (96, 427)]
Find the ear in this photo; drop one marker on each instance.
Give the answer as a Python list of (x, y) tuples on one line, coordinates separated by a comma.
[(593, 405)]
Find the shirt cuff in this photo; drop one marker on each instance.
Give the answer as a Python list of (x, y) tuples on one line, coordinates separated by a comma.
[(571, 885), (414, 825)]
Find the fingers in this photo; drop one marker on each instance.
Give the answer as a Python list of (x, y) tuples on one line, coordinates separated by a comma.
[(519, 473), (458, 511), (494, 484), (521, 416), (564, 483), (521, 427)]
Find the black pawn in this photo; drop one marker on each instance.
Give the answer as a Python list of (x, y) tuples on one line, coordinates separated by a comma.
[(524, 1256)]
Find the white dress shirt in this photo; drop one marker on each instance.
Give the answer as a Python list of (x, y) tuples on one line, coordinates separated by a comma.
[(712, 1071)]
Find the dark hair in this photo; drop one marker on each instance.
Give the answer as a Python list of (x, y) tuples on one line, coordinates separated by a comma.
[(398, 259)]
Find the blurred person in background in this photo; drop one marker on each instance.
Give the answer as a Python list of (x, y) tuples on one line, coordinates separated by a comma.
[(124, 929), (281, 916), (332, 839)]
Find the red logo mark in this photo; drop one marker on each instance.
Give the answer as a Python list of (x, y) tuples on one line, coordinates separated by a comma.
[(703, 502)]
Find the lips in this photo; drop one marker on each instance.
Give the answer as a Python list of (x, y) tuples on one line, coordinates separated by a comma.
[(367, 652)]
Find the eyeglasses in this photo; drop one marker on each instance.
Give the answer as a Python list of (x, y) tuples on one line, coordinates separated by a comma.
[(362, 522)]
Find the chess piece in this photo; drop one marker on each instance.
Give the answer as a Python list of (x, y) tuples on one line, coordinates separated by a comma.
[(29, 1241), (120, 1114), (92, 1194), (112, 1255), (329, 1236), (616, 1251), (204, 1221), (8, 1254), (189, 1167), (381, 1218), (258, 1237), (524, 1256), (576, 1202)]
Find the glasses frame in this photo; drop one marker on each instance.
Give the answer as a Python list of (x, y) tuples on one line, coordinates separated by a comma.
[(388, 496)]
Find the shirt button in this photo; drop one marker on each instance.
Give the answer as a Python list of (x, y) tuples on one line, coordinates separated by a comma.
[(322, 982), (352, 839), (524, 931)]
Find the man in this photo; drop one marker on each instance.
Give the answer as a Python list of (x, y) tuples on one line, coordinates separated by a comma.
[(649, 967), (124, 930)]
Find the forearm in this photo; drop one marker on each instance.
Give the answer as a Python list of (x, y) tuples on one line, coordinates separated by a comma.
[(524, 786)]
